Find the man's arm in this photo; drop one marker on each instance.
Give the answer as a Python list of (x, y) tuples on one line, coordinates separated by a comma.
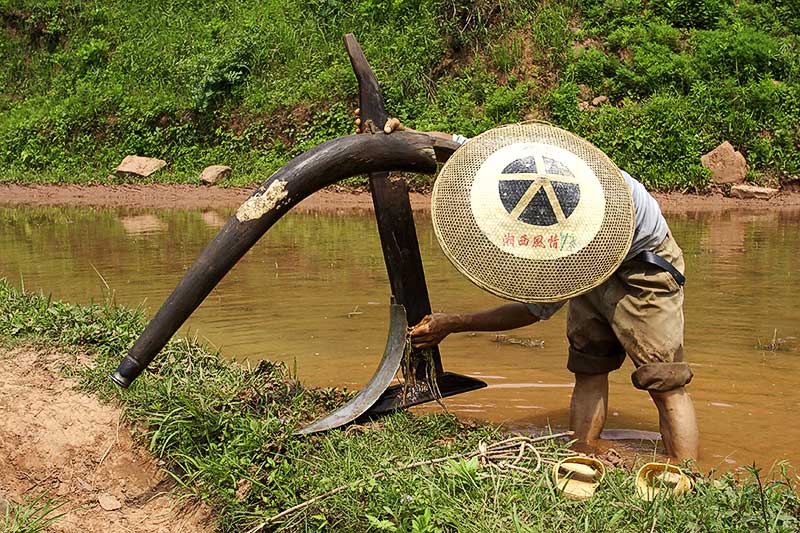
[(434, 328)]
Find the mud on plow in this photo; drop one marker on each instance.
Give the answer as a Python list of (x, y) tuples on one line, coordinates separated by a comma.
[(376, 155)]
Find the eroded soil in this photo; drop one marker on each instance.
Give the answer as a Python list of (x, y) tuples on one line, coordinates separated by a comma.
[(58, 440)]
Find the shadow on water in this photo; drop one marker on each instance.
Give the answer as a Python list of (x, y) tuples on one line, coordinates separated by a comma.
[(314, 292)]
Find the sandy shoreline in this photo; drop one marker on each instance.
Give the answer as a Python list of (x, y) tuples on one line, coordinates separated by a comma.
[(328, 200)]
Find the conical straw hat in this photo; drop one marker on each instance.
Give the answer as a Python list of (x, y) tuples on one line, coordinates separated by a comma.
[(533, 213)]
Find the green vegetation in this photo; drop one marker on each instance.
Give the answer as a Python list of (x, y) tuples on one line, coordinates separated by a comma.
[(31, 516), (777, 344), (225, 434), (252, 84)]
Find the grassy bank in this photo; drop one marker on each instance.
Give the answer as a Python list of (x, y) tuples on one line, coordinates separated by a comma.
[(251, 84), (225, 434), (33, 515)]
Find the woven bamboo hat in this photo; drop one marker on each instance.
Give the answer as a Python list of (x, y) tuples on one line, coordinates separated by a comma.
[(533, 213)]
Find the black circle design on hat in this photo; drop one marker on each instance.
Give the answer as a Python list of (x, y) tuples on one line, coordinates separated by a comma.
[(524, 183)]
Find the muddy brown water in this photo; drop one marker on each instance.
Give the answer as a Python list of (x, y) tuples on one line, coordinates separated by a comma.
[(314, 293)]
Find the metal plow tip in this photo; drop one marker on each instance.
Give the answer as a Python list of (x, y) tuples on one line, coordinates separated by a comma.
[(447, 383), (390, 364)]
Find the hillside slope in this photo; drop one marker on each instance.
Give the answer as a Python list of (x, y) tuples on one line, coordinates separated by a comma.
[(251, 84)]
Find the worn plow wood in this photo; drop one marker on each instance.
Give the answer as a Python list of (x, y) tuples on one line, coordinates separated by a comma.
[(328, 163), (323, 165), (402, 256)]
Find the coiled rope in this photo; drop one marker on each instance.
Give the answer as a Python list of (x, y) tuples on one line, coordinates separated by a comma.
[(516, 454)]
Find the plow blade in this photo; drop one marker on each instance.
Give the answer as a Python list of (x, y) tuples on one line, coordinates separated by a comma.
[(448, 383), (377, 398), (390, 364)]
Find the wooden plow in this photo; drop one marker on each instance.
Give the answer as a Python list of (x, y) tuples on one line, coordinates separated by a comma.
[(332, 161)]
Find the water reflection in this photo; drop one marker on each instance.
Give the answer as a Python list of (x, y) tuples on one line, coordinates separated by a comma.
[(142, 224), (314, 293)]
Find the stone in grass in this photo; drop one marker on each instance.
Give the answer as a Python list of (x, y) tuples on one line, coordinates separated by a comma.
[(108, 502), (725, 163), (134, 165), (215, 174), (753, 192)]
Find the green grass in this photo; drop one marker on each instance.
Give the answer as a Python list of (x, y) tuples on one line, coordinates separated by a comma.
[(252, 84), (225, 433), (35, 514)]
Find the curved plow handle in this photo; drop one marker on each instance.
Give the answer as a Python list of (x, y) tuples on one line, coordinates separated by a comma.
[(321, 166)]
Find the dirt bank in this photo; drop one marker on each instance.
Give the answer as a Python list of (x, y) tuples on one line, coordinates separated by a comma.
[(328, 200), (57, 440), (177, 196), (676, 203)]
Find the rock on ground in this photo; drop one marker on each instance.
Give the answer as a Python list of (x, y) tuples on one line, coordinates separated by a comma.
[(725, 163), (134, 165), (215, 174), (109, 502), (58, 440), (751, 191)]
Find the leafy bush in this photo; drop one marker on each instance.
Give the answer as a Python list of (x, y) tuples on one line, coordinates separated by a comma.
[(252, 84), (701, 14), (744, 53)]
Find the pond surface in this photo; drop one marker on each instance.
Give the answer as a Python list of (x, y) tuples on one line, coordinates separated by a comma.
[(314, 293)]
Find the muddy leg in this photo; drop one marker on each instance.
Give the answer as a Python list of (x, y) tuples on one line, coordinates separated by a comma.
[(677, 423), (588, 408)]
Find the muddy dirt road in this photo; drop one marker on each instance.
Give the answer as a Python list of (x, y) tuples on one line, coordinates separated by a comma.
[(328, 200)]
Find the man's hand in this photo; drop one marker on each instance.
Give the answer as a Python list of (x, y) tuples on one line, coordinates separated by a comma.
[(392, 124), (432, 329)]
